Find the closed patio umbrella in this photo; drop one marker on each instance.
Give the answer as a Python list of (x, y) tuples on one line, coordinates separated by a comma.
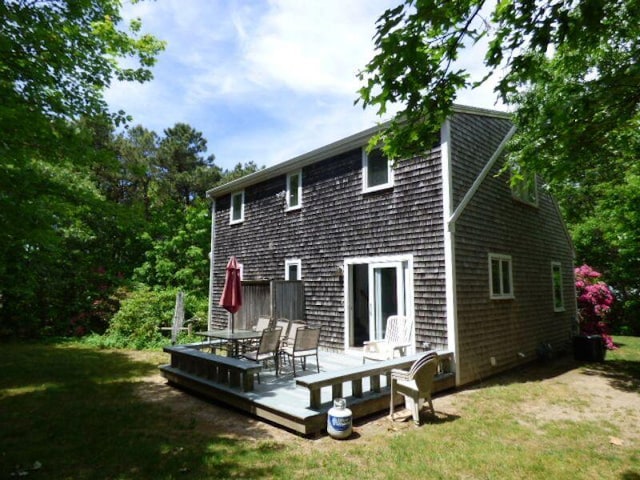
[(231, 299)]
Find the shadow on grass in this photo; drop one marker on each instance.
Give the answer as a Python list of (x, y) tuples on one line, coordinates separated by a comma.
[(621, 367), (622, 375), (77, 412), (630, 475)]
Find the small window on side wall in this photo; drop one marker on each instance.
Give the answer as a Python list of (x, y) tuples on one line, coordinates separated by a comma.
[(525, 189), (293, 269), (294, 190), (377, 173), (556, 282), (500, 277), (236, 213)]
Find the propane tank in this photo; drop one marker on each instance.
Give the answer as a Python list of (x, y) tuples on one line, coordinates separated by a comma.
[(339, 419)]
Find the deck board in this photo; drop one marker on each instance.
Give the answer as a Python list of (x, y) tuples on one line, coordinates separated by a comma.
[(280, 400)]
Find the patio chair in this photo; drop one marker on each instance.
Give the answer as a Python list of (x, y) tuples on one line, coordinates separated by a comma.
[(284, 324), (262, 323), (291, 334), (397, 338), (305, 344), (415, 384), (267, 349)]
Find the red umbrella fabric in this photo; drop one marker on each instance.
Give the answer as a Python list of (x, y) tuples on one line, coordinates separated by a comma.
[(231, 299)]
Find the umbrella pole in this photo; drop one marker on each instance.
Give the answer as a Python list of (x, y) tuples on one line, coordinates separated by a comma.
[(232, 322)]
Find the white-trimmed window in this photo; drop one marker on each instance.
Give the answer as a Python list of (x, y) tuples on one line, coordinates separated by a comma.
[(294, 190), (236, 212), (293, 269), (241, 269), (526, 189), (377, 173), (500, 276), (556, 283)]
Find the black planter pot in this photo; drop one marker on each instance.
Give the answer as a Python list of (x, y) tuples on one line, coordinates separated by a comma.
[(589, 348)]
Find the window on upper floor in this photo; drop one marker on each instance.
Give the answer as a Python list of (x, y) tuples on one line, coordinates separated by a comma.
[(500, 276), (236, 212), (294, 190), (556, 283), (241, 270), (377, 173), (525, 189), (293, 269)]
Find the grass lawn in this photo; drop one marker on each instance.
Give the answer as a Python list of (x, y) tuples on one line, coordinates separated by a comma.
[(68, 411)]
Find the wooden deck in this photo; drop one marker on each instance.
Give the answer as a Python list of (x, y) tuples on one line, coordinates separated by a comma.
[(282, 401)]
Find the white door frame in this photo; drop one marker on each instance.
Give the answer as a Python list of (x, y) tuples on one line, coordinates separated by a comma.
[(376, 262)]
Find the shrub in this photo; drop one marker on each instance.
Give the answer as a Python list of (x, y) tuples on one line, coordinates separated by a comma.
[(142, 313), (594, 303)]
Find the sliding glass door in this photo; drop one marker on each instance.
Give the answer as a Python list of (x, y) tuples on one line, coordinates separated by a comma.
[(377, 288)]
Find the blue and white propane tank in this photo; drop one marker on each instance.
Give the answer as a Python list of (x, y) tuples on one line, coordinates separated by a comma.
[(339, 419)]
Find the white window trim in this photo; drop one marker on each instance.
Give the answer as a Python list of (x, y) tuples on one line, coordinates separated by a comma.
[(365, 175), (241, 269), (288, 192), (231, 210), (409, 287), (553, 290), (292, 262), (501, 258), (516, 194)]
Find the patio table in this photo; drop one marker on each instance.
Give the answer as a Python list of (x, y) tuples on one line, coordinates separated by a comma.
[(238, 339)]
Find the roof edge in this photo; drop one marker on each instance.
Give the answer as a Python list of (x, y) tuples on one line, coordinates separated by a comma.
[(344, 145), (485, 112)]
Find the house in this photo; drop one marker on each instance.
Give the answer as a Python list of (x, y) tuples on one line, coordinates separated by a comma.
[(485, 270)]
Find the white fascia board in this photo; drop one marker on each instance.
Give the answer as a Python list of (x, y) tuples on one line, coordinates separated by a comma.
[(481, 177), (354, 141), (485, 112), (449, 243), (211, 266), (349, 143)]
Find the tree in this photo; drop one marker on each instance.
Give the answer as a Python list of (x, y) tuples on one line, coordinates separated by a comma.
[(56, 58), (567, 66), (184, 174), (571, 75), (180, 257)]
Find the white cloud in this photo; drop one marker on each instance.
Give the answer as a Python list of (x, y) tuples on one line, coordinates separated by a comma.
[(263, 81), (313, 46)]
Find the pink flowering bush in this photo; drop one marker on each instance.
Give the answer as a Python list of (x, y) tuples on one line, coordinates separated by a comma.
[(594, 303)]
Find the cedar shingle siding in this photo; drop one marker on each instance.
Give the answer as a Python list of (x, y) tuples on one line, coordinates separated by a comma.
[(495, 222), (338, 221)]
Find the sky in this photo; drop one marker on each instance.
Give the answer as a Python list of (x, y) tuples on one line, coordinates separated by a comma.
[(263, 80)]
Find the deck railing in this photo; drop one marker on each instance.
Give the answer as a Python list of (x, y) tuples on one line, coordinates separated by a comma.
[(375, 371)]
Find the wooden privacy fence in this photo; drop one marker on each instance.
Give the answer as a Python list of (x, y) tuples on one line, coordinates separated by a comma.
[(275, 299), (287, 299)]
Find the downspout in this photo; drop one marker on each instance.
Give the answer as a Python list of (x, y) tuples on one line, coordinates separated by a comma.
[(211, 264), (451, 216), (449, 244)]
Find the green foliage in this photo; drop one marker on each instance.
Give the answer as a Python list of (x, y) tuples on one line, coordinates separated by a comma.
[(81, 206), (183, 173), (56, 58), (570, 73), (142, 313), (182, 258)]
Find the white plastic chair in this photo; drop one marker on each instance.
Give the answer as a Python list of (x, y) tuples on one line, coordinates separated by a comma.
[(415, 384), (397, 338)]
